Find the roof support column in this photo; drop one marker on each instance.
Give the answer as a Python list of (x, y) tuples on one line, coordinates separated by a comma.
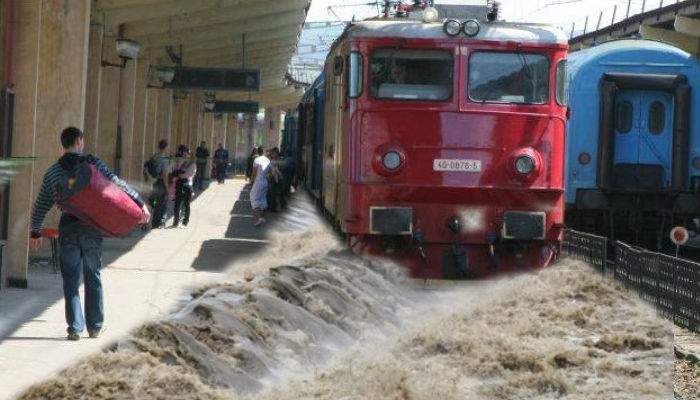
[(51, 54), (151, 122), (127, 98), (139, 128), (108, 109), (93, 89)]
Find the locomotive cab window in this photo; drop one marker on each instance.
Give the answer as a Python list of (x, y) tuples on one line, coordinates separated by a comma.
[(355, 75), (657, 117), (562, 84), (499, 77), (408, 74)]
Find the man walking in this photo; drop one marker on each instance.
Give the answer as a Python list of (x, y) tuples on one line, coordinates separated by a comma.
[(220, 163), (79, 243), (159, 197), (202, 154)]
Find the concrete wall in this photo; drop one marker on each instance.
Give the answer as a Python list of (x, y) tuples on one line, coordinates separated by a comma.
[(51, 61), (61, 81)]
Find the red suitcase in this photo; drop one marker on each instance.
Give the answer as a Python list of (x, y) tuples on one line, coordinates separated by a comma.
[(97, 201)]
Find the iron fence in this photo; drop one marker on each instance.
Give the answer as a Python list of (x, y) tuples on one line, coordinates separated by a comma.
[(671, 284)]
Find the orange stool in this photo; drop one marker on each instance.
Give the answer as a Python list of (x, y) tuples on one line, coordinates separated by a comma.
[(52, 234)]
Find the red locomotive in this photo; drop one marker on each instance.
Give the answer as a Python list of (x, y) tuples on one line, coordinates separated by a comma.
[(442, 144)]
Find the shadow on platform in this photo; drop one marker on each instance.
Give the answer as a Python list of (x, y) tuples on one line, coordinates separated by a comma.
[(243, 240), (45, 288)]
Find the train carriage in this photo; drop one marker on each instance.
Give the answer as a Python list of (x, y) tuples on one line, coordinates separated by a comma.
[(443, 144), (633, 167)]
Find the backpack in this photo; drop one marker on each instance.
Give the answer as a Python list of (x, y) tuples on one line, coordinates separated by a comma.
[(150, 168), (87, 194)]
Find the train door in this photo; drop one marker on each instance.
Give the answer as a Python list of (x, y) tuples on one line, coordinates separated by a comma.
[(332, 125), (316, 173), (643, 140)]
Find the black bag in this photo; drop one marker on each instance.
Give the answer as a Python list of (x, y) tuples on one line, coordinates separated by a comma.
[(150, 168)]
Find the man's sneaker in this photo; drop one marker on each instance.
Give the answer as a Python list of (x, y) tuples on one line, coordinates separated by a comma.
[(72, 336), (95, 334)]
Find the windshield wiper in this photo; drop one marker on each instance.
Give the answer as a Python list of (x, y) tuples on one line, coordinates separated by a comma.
[(527, 68)]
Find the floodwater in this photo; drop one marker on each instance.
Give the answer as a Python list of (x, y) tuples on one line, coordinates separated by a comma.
[(325, 324)]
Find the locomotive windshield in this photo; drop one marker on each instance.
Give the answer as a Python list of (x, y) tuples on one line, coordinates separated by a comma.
[(407, 74), (499, 77)]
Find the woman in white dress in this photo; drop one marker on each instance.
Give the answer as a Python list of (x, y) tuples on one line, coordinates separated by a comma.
[(258, 194)]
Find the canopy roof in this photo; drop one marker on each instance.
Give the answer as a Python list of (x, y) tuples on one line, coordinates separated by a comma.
[(211, 34)]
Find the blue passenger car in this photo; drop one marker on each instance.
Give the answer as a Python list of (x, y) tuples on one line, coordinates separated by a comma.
[(310, 153), (633, 142)]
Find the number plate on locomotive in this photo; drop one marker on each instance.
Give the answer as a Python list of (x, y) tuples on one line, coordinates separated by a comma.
[(457, 165)]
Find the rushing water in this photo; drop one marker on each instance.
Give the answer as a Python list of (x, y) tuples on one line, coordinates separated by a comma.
[(325, 324)]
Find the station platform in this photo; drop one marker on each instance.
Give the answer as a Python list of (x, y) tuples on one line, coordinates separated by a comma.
[(145, 276)]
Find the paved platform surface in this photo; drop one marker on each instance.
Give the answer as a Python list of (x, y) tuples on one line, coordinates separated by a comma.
[(145, 276), (687, 344)]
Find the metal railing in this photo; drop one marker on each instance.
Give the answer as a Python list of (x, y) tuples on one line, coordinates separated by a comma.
[(619, 11), (670, 284)]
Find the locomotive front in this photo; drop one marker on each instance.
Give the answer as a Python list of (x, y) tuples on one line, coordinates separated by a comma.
[(451, 145)]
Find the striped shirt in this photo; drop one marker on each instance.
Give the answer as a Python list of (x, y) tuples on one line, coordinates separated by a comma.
[(46, 198)]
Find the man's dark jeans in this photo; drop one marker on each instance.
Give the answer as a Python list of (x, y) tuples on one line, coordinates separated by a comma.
[(159, 202), (82, 248), (183, 197), (199, 176)]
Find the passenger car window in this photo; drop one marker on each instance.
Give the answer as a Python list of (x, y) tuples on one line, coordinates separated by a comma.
[(355, 76), (498, 77), (562, 84), (408, 74), (623, 117), (657, 117)]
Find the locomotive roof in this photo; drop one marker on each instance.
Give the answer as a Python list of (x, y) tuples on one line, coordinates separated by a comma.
[(495, 31)]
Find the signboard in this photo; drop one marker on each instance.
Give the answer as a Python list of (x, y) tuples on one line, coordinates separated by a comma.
[(679, 236), (215, 79), (223, 107)]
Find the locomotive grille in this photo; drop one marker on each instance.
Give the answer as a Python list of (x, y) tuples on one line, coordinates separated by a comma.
[(391, 220), (524, 225)]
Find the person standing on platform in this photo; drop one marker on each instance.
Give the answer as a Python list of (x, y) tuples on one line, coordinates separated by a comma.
[(202, 154), (249, 164), (182, 174), (288, 172), (221, 163), (80, 245), (159, 196), (258, 193), (274, 180)]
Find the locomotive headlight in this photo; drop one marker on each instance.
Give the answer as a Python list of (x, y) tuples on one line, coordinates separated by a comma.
[(391, 160), (524, 165), (472, 27), (452, 27)]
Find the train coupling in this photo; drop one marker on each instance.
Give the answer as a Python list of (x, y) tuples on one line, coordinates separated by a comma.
[(461, 262)]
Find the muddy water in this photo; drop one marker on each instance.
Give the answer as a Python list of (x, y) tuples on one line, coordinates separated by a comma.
[(323, 324)]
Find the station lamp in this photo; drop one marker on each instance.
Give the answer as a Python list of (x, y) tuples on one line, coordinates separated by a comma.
[(165, 75), (127, 49)]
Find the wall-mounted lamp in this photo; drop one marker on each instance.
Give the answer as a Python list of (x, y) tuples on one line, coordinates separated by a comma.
[(165, 75), (126, 50)]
